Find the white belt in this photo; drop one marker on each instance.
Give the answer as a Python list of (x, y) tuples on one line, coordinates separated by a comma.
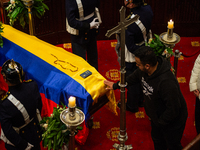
[(86, 18)]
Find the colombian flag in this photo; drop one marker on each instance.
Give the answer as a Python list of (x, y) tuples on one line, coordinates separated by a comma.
[(56, 71)]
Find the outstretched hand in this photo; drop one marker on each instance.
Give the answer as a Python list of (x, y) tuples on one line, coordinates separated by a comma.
[(109, 85), (196, 93)]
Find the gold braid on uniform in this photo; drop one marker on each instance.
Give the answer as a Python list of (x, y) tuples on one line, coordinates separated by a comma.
[(5, 96), (30, 80)]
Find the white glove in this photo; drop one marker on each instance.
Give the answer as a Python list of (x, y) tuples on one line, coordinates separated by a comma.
[(94, 24), (29, 146)]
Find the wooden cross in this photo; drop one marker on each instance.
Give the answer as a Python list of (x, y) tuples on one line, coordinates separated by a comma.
[(122, 137), (121, 29)]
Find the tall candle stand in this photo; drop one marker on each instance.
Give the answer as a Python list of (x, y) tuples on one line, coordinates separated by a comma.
[(72, 117), (170, 38), (28, 4)]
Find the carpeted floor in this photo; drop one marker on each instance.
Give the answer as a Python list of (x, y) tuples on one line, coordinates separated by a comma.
[(106, 125)]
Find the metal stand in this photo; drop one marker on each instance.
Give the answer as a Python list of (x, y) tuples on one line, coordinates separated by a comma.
[(29, 4), (72, 117), (170, 39), (122, 137)]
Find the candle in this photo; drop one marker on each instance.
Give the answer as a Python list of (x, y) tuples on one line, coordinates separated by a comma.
[(72, 101), (171, 24)]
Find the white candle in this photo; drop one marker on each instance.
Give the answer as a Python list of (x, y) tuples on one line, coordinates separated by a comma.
[(171, 24), (72, 101)]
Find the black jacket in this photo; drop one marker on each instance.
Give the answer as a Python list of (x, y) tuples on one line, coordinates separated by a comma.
[(27, 93), (164, 102), (133, 33)]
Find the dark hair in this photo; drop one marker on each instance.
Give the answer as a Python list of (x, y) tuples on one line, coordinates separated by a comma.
[(146, 55)]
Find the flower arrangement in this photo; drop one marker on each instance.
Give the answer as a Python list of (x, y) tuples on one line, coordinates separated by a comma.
[(18, 11), (55, 132), (159, 48), (1, 31)]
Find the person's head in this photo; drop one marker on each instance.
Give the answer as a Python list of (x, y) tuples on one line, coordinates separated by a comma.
[(133, 3), (12, 72), (146, 59)]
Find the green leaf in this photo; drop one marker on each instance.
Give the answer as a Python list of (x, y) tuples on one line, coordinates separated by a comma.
[(45, 142), (51, 135), (49, 145)]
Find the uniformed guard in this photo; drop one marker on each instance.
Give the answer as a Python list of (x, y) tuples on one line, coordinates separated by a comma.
[(82, 22), (19, 122), (135, 37)]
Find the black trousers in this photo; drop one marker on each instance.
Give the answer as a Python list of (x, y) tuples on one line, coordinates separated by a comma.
[(197, 115), (90, 49), (167, 138), (134, 92)]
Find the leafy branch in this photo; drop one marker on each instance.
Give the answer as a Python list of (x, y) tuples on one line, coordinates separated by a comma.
[(1, 31), (17, 11), (55, 132), (159, 48)]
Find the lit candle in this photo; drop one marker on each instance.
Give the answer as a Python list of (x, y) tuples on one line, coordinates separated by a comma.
[(72, 101), (171, 24)]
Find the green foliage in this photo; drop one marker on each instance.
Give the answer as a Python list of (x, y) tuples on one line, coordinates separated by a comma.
[(159, 48), (55, 132), (18, 11), (1, 31)]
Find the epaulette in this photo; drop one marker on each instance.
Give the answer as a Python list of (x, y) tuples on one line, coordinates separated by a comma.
[(30, 80), (5, 96)]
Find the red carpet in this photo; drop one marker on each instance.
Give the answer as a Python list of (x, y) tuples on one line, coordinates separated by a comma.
[(106, 125)]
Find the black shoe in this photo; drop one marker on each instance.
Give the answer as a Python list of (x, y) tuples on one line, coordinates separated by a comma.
[(128, 109)]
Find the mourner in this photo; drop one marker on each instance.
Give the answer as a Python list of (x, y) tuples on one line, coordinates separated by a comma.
[(163, 100)]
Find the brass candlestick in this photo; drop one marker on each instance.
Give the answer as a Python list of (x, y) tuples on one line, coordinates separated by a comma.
[(72, 117), (170, 33), (170, 38), (28, 4)]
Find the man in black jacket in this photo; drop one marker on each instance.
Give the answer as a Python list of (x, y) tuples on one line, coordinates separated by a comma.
[(164, 102), (19, 122)]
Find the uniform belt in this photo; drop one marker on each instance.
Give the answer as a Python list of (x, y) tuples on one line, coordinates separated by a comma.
[(86, 18), (140, 44)]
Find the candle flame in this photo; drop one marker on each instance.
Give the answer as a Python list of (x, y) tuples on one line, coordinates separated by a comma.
[(170, 20)]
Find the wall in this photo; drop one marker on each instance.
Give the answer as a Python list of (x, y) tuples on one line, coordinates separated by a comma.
[(185, 14)]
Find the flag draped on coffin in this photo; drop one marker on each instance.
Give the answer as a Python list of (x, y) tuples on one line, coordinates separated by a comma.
[(56, 71)]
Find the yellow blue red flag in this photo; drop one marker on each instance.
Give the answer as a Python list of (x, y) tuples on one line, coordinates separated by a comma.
[(56, 71)]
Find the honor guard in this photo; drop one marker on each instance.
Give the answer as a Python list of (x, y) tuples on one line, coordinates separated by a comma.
[(136, 35), (19, 109), (82, 22)]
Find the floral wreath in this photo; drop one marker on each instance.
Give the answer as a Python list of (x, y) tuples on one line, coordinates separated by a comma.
[(18, 11)]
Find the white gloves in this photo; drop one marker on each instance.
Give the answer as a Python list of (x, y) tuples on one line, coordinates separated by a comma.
[(94, 24), (29, 146)]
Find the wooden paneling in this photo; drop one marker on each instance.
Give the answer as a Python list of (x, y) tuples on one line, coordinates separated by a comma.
[(185, 14)]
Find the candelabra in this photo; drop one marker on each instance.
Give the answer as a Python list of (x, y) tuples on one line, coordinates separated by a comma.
[(72, 117), (28, 4), (170, 38)]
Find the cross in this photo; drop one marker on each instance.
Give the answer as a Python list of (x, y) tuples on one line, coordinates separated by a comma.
[(122, 137), (121, 29)]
